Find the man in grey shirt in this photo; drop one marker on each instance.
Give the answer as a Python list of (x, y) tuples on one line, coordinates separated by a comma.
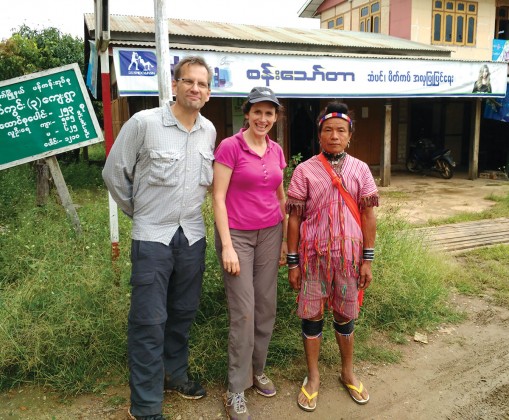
[(158, 172)]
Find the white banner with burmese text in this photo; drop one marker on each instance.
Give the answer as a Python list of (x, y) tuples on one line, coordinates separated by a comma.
[(234, 75)]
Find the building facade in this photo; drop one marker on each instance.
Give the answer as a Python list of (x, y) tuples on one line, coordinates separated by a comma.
[(467, 28), (306, 69)]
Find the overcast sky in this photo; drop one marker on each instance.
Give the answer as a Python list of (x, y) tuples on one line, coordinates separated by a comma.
[(67, 15)]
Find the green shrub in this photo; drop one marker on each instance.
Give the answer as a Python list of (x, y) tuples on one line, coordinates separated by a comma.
[(411, 284)]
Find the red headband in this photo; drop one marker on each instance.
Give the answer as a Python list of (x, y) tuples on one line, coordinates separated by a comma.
[(336, 115)]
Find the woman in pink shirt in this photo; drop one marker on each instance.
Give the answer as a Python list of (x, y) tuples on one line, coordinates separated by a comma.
[(249, 209)]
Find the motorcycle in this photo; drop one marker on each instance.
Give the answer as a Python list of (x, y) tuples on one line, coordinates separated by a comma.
[(424, 156)]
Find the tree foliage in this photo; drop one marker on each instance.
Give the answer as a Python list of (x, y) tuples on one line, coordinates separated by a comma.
[(31, 50)]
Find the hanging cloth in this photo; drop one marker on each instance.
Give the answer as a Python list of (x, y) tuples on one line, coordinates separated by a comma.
[(348, 199)]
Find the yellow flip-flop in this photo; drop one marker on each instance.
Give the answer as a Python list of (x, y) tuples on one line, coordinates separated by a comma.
[(350, 387), (307, 406)]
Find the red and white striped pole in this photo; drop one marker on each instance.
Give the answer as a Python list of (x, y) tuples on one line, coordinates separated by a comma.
[(102, 40), (108, 138)]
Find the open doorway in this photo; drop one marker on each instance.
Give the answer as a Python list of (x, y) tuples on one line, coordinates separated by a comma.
[(302, 114)]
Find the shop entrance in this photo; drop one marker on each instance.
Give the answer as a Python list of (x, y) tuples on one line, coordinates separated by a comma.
[(302, 114)]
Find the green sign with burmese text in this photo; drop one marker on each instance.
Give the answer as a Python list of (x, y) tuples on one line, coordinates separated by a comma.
[(43, 114)]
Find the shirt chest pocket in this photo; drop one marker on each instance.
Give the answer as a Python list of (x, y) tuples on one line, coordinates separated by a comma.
[(206, 172), (164, 168)]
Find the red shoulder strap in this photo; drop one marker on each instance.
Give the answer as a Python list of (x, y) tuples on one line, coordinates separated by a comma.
[(336, 180)]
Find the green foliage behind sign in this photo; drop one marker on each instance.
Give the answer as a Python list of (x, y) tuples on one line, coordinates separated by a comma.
[(44, 114)]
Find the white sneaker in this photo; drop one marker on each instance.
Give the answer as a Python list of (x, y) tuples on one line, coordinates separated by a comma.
[(235, 404)]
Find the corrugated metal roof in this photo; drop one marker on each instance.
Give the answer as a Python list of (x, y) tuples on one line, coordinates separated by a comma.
[(235, 50), (138, 28)]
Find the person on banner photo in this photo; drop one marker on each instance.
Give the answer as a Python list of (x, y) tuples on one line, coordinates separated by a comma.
[(331, 240), (483, 83), (158, 172), (249, 211), (498, 109), (135, 60)]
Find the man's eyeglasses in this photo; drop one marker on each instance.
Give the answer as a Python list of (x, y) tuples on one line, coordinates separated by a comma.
[(190, 83)]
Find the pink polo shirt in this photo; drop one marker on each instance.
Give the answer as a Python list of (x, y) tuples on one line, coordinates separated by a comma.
[(251, 199)]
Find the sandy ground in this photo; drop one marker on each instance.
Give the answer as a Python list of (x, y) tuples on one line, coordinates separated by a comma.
[(420, 198), (462, 373)]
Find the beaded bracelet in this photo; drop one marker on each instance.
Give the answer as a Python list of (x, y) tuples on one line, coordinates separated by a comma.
[(368, 254), (292, 267), (292, 259)]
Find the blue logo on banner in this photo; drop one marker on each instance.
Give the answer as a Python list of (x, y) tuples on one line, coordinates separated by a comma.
[(137, 63)]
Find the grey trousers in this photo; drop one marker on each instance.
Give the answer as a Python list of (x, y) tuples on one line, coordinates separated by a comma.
[(252, 300), (166, 286)]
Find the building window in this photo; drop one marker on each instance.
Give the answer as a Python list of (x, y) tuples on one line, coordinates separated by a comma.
[(502, 23), (337, 23), (340, 22), (369, 17), (454, 22)]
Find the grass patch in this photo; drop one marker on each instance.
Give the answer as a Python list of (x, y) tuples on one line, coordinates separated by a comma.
[(410, 286), (117, 401), (488, 270), (63, 321), (397, 195)]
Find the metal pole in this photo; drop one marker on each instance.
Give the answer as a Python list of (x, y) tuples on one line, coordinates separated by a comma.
[(108, 137), (162, 51)]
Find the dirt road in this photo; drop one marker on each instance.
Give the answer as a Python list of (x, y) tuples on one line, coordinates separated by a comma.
[(462, 373)]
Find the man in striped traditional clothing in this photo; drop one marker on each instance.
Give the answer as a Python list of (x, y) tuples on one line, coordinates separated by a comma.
[(331, 238)]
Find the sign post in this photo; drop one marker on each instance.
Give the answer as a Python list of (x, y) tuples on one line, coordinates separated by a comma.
[(63, 192), (44, 114)]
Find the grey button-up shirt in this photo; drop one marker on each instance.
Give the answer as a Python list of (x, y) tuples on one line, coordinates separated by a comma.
[(158, 173)]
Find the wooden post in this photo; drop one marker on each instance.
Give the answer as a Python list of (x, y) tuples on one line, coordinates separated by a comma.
[(280, 132), (473, 164), (42, 181), (385, 169), (63, 192)]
